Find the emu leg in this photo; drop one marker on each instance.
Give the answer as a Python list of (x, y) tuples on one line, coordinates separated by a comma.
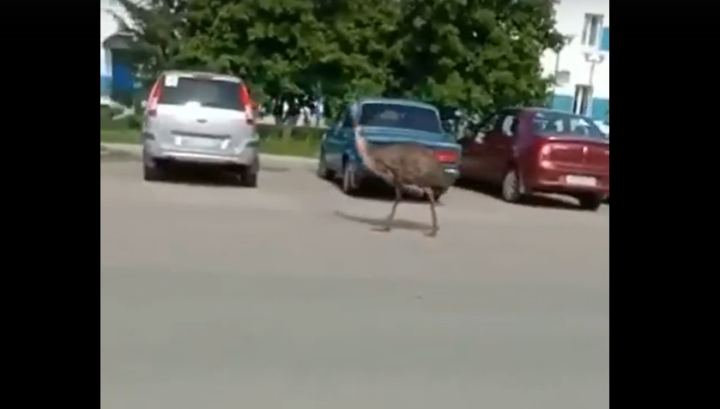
[(431, 198), (391, 216)]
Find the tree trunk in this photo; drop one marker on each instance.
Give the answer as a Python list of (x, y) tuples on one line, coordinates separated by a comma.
[(291, 117)]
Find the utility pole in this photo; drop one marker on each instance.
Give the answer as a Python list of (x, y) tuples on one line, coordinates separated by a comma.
[(594, 58)]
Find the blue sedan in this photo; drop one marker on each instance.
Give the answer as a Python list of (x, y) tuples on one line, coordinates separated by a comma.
[(383, 121)]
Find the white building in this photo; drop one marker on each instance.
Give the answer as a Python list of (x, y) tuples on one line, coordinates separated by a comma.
[(113, 74), (583, 66)]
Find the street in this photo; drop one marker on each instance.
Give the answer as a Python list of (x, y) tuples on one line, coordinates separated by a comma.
[(220, 297)]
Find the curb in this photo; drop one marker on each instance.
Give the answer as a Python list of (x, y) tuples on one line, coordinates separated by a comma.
[(106, 148)]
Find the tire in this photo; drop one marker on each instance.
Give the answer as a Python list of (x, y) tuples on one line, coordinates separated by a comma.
[(590, 202), (322, 170), (154, 173), (350, 185), (511, 189), (249, 176)]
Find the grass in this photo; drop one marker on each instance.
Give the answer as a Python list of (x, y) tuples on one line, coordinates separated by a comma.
[(275, 146), (120, 136)]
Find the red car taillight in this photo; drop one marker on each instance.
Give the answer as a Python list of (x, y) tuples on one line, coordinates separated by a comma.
[(446, 156), (545, 151), (248, 104), (154, 98)]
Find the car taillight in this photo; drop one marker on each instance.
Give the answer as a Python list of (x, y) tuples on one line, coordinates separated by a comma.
[(545, 150), (248, 104), (154, 98), (446, 156)]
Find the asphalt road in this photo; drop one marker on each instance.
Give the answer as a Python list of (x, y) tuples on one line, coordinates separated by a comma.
[(282, 297)]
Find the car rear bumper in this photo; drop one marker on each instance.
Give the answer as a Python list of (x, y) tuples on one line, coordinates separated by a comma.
[(568, 189), (555, 181), (247, 155), (451, 171)]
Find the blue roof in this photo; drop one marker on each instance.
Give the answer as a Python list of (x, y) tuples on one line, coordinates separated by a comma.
[(397, 101)]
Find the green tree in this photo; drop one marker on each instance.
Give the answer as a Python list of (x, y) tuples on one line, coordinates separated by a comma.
[(475, 54), (360, 43), (292, 49), (471, 54)]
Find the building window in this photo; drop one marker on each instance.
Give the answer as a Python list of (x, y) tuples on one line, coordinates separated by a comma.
[(583, 96), (591, 29)]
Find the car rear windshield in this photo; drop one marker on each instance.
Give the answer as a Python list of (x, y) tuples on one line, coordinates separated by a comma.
[(400, 116), (207, 92), (566, 124)]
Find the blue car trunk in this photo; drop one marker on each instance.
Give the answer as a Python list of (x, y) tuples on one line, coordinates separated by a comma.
[(433, 140)]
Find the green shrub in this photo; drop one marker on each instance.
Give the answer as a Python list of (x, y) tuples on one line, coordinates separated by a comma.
[(134, 121), (108, 123), (299, 133)]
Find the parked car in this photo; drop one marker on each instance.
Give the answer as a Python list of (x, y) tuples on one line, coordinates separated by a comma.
[(531, 150), (383, 121), (604, 127), (200, 118)]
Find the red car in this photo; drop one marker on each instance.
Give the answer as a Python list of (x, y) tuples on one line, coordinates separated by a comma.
[(531, 150)]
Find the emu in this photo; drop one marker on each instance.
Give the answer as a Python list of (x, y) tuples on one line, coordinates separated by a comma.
[(405, 166)]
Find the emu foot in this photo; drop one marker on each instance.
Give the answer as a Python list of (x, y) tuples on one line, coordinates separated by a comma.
[(431, 233), (381, 229)]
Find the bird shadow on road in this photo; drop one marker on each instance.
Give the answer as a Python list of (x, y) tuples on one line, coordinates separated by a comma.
[(541, 201), (380, 192), (381, 222)]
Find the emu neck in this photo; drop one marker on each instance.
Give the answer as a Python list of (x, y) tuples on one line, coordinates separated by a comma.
[(365, 151)]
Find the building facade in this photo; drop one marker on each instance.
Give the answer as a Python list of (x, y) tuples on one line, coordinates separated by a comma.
[(115, 75), (583, 66)]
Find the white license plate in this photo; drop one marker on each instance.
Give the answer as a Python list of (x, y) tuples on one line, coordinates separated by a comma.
[(580, 180), (189, 142)]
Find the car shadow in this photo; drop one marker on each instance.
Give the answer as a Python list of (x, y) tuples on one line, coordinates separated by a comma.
[(200, 176), (380, 222), (536, 200), (109, 155)]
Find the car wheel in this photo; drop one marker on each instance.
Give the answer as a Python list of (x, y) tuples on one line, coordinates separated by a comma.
[(153, 171), (511, 191), (350, 185), (590, 202), (249, 176), (322, 170)]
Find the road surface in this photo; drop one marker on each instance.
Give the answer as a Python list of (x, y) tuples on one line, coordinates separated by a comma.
[(217, 297)]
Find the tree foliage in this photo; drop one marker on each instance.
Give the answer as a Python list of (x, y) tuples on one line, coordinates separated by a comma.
[(470, 54)]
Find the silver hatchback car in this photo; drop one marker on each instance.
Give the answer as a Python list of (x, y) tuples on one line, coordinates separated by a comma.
[(200, 118)]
